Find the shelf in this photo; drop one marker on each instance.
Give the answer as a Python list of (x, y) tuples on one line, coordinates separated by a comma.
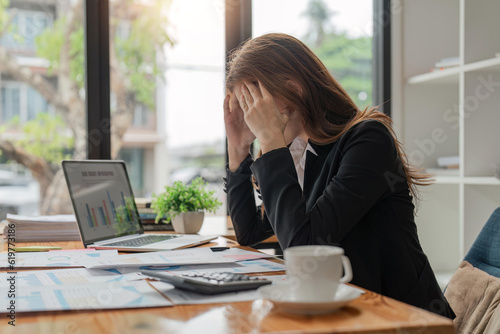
[(470, 180), (444, 179), (453, 111), (439, 77), (482, 180), (450, 75), (492, 64)]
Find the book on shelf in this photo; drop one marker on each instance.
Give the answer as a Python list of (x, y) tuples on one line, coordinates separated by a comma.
[(153, 226), (148, 218), (42, 228), (442, 172), (450, 162), (142, 202), (446, 63)]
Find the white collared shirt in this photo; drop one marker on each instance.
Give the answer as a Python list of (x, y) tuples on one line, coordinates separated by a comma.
[(298, 150)]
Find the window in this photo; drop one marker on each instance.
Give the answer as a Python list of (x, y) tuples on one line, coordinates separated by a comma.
[(178, 125), (21, 103), (42, 102), (11, 102), (166, 65), (26, 26)]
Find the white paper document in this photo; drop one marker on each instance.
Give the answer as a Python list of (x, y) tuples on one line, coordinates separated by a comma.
[(185, 297), (69, 276), (239, 254), (174, 258), (92, 296), (70, 258), (242, 267)]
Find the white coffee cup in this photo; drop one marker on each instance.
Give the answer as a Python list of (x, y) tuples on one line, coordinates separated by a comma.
[(313, 272)]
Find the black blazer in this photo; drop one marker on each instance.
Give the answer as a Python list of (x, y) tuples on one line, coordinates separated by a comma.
[(356, 197)]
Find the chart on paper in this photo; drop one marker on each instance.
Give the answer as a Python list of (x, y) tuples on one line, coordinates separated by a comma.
[(68, 276), (175, 257), (54, 259), (84, 296)]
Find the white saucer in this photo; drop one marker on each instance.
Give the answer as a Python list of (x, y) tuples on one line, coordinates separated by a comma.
[(279, 295)]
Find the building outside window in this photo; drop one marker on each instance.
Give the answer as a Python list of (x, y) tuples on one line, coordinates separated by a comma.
[(21, 103), (42, 101), (26, 25)]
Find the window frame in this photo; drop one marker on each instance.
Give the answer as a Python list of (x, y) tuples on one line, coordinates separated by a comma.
[(382, 55), (97, 79)]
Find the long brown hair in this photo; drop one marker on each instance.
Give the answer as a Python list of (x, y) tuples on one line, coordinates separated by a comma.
[(280, 62)]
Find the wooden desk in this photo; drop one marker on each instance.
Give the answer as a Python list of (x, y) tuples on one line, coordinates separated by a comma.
[(371, 313)]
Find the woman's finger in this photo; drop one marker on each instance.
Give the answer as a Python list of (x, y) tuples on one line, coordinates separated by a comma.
[(243, 103), (234, 104), (265, 93), (254, 90), (247, 95)]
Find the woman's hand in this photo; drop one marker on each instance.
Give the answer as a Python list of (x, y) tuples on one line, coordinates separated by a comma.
[(263, 116), (239, 136)]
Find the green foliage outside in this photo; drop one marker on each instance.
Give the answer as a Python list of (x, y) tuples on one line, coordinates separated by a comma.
[(43, 136), (138, 43), (136, 49), (350, 62), (137, 52), (181, 197), (349, 59), (3, 13)]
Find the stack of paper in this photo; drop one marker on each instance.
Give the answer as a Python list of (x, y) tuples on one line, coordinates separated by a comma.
[(42, 228)]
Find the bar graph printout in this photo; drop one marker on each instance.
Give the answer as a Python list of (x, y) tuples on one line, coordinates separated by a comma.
[(92, 296), (165, 258), (68, 276), (54, 259)]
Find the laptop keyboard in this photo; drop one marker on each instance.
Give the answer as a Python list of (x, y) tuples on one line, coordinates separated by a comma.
[(141, 241)]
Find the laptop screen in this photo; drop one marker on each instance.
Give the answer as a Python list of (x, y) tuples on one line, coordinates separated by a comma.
[(102, 199)]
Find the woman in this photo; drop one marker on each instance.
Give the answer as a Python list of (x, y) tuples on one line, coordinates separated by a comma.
[(328, 174)]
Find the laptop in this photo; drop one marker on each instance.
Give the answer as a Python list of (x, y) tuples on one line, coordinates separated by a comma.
[(106, 212)]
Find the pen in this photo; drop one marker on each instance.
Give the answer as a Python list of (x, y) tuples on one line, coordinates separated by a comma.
[(36, 248), (218, 249)]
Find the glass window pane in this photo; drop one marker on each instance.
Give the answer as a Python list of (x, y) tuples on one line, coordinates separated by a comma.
[(183, 137), (339, 32), (35, 104), (43, 111)]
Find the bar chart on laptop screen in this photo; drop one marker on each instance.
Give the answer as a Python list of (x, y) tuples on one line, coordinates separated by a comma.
[(104, 203), (109, 213)]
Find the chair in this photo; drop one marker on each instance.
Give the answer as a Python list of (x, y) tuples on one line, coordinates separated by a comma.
[(474, 289), (485, 252)]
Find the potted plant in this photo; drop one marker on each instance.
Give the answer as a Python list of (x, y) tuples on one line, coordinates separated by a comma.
[(185, 204)]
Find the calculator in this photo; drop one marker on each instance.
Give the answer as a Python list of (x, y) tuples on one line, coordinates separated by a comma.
[(209, 283)]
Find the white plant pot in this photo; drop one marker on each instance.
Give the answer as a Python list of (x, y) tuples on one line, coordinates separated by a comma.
[(188, 222)]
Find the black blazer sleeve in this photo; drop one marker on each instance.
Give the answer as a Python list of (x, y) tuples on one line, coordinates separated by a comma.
[(249, 225), (364, 157)]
